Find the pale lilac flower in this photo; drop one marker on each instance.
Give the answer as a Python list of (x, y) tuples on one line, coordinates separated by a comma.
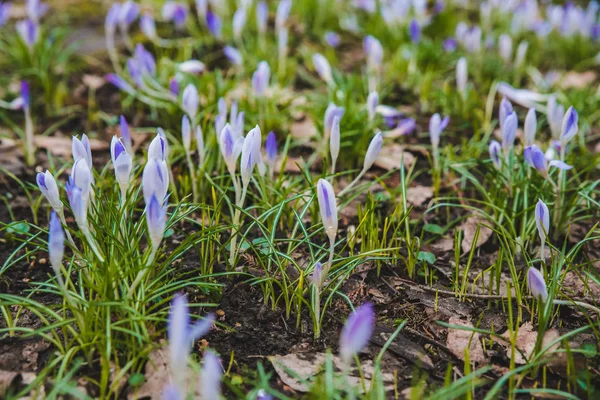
[(233, 55), (537, 159), (157, 150), (569, 127), (4, 13), (390, 115), (332, 39), (405, 126), (190, 101), (542, 220), (414, 31), (283, 12), (504, 111), (211, 376), (36, 9), (317, 276), (213, 22), (334, 141), (79, 208), (231, 148), (261, 78), (537, 285), (367, 5), (81, 177), (182, 335), (461, 77), (155, 180), (436, 126), (555, 115), (323, 68), (29, 32), (271, 149), (56, 243), (328, 208), (120, 83), (49, 188), (509, 132), (192, 67), (530, 127), (374, 52), (175, 12), (449, 45), (122, 163), (356, 332), (521, 54), (495, 149), (523, 97), (156, 220), (128, 12), (262, 15), (186, 133), (372, 102), (505, 47), (125, 134), (202, 8), (373, 151), (250, 156), (148, 26), (174, 87), (331, 112), (239, 22)]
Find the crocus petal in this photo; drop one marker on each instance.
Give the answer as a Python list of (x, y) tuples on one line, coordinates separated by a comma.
[(537, 285), (211, 376), (356, 332), (327, 207), (560, 165)]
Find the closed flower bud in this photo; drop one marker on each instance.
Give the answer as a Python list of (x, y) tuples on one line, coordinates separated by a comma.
[(214, 24), (317, 277), (374, 52), (504, 111), (356, 332), (156, 219), (186, 133), (569, 126), (249, 155), (262, 15), (233, 55), (122, 162), (271, 148), (530, 127), (155, 180), (334, 141), (79, 208), (372, 101), (436, 127), (56, 243), (148, 26), (373, 151), (190, 101), (192, 67), (211, 376), (505, 47), (542, 220), (125, 134), (29, 31), (414, 31), (555, 114), (509, 133), (157, 150), (537, 285), (283, 12), (239, 22), (323, 68), (81, 176), (328, 208), (231, 148), (495, 149), (261, 78), (112, 18), (331, 112), (49, 188)]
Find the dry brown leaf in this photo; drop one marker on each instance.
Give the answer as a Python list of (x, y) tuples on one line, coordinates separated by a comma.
[(391, 155), (577, 80), (93, 81), (303, 130), (458, 340), (443, 245), (577, 287), (304, 366), (469, 227), (7, 379), (525, 342), (418, 195), (60, 146)]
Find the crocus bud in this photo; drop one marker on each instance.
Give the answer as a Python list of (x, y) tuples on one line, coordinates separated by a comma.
[(461, 77), (230, 148), (414, 31), (148, 26), (79, 208), (174, 87), (4, 13), (374, 52), (156, 219), (81, 176), (283, 12), (49, 188), (190, 101), (504, 111), (271, 149), (25, 94), (509, 133), (56, 243), (128, 13), (29, 31), (317, 276), (542, 220), (555, 116), (373, 151), (331, 112), (155, 180), (495, 149), (200, 144), (239, 22), (323, 68), (157, 150), (328, 208), (537, 285), (261, 78), (181, 336), (120, 83), (211, 376), (521, 54), (332, 39), (125, 134), (436, 126), (186, 133), (372, 101), (569, 126), (192, 67), (334, 141), (201, 8), (249, 156), (356, 332), (81, 149), (122, 162), (505, 47), (175, 12), (214, 24), (282, 43), (233, 55), (262, 15), (537, 159), (530, 127)]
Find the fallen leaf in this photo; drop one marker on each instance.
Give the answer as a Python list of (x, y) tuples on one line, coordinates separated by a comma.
[(525, 342), (391, 155), (443, 245), (60, 146), (459, 339), (418, 195), (93, 81), (578, 287), (469, 228), (304, 129), (577, 80), (7, 379), (298, 369)]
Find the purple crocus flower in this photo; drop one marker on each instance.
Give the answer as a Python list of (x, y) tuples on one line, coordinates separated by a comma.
[(356, 332), (156, 220), (373, 151), (537, 159), (372, 102), (328, 208), (331, 112), (4, 13), (56, 243), (190, 101), (271, 148), (148, 26), (504, 110), (542, 220), (79, 207), (174, 86), (530, 127), (122, 163), (128, 13), (261, 78), (120, 83), (25, 94), (283, 12), (317, 276), (374, 52), (436, 126), (537, 285), (509, 132), (175, 12), (171, 392), (332, 39), (322, 67), (239, 22), (155, 180), (181, 336), (211, 376), (213, 23), (449, 45), (125, 133), (262, 15), (49, 189), (414, 31), (29, 32), (405, 126), (145, 60), (569, 126), (495, 149), (233, 55), (36, 9)]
